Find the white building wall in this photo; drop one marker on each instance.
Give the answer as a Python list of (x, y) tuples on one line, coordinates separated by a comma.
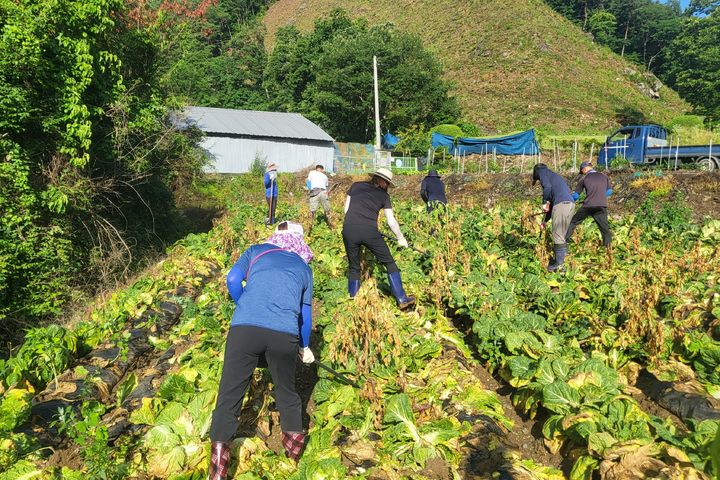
[(235, 155)]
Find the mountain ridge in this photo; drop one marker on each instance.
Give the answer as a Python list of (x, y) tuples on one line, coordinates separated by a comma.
[(515, 64)]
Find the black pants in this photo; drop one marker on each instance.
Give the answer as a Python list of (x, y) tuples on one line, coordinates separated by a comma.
[(272, 203), (599, 214), (245, 345), (355, 236)]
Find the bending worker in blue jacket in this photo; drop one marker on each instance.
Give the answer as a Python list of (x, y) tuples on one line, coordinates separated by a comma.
[(597, 189), (432, 191), (559, 206), (272, 318)]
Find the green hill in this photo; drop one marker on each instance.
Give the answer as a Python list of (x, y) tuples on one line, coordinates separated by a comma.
[(515, 64)]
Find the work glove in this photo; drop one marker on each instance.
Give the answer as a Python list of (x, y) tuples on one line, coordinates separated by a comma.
[(306, 355), (402, 242), (546, 207), (542, 225), (272, 175)]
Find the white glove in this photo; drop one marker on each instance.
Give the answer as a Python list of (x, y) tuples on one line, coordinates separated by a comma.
[(402, 241), (273, 175), (306, 355)]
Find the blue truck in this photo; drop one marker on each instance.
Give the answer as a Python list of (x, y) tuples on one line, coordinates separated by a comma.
[(648, 145)]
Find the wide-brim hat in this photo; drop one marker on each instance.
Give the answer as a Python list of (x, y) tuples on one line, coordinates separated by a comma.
[(271, 167), (385, 174)]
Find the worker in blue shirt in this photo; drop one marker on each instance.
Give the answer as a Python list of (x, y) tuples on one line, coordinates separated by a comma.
[(558, 205), (272, 319), (271, 192)]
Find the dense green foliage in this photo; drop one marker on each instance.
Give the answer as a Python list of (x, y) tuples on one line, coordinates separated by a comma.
[(695, 67), (87, 157), (327, 75), (680, 47), (216, 57)]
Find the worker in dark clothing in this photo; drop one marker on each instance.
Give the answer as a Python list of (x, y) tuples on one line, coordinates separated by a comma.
[(558, 205), (272, 319), (363, 202), (597, 189), (271, 192), (432, 191)]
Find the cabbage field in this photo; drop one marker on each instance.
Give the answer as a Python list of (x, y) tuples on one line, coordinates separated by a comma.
[(608, 371)]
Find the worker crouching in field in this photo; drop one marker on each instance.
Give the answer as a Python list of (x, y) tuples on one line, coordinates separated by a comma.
[(363, 203), (559, 206), (597, 189), (432, 191), (272, 319)]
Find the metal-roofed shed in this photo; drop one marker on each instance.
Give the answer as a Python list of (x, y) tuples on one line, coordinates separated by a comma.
[(234, 138)]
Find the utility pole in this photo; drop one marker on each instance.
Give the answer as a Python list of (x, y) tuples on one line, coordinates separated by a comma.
[(378, 144)]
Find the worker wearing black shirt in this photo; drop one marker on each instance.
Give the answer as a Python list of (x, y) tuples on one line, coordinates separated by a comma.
[(363, 202), (597, 188)]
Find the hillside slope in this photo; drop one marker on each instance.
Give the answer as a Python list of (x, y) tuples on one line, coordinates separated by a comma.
[(515, 63)]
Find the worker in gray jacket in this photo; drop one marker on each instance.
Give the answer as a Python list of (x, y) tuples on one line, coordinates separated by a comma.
[(597, 188)]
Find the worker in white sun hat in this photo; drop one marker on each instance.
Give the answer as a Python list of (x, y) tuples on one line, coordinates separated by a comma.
[(363, 202)]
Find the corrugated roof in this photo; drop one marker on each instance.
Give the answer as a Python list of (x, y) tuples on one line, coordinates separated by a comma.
[(254, 123)]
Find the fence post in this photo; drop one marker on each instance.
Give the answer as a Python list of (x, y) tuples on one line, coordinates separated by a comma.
[(575, 150), (522, 161), (592, 151)]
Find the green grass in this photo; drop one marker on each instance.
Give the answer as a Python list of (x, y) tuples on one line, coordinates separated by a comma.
[(515, 64)]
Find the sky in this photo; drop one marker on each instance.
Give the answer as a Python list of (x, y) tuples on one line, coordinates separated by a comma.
[(684, 3)]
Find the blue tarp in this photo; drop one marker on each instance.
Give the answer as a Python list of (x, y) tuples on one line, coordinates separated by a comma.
[(517, 144), (389, 141)]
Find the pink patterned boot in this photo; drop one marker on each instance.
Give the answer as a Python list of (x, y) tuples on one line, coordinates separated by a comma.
[(294, 443), (219, 461)]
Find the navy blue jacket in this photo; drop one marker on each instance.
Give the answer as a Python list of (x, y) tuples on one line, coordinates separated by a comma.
[(432, 188), (555, 188)]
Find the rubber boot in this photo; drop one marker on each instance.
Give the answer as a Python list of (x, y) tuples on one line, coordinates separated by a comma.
[(294, 444), (312, 222), (559, 263), (396, 287), (219, 461), (353, 287), (330, 224)]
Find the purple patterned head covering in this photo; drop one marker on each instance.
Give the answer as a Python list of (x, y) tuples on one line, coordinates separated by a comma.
[(292, 241)]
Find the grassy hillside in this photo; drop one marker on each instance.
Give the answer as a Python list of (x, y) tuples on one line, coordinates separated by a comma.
[(515, 64)]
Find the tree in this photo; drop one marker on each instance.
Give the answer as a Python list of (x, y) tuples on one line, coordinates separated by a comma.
[(87, 159), (694, 64), (603, 24), (327, 75)]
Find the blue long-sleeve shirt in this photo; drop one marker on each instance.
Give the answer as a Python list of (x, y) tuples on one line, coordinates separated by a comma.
[(271, 186), (277, 294)]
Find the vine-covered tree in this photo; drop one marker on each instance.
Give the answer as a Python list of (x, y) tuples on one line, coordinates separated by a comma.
[(86, 162)]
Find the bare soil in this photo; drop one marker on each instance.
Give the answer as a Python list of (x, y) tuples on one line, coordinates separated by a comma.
[(701, 190)]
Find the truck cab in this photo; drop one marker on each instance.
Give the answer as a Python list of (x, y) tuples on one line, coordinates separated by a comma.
[(648, 145), (631, 142)]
